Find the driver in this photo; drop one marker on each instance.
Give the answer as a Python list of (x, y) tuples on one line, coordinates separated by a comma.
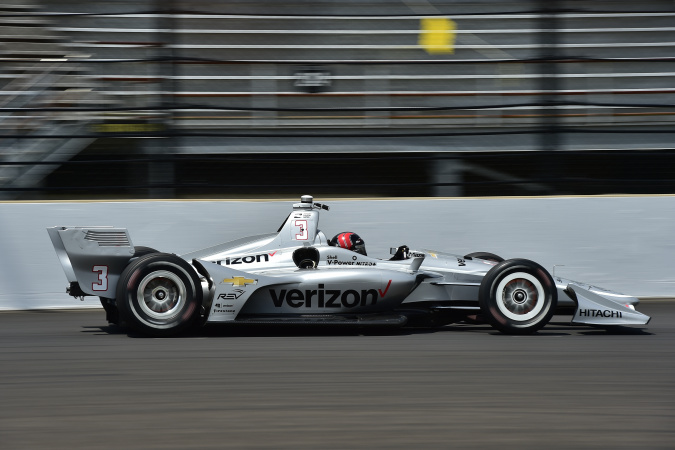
[(350, 241)]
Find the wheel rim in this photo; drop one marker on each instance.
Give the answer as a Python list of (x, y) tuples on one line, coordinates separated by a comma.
[(520, 296), (161, 294)]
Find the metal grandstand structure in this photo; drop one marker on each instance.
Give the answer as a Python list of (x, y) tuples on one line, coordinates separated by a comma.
[(321, 78)]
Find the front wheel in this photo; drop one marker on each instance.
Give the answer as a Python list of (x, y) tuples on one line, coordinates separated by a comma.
[(159, 294), (485, 255), (518, 296)]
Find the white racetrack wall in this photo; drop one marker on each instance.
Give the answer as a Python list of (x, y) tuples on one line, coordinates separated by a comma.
[(623, 243)]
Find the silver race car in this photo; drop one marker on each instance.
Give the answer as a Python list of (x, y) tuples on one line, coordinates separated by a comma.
[(297, 276)]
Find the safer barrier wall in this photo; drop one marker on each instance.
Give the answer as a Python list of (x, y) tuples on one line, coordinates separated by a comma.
[(621, 243)]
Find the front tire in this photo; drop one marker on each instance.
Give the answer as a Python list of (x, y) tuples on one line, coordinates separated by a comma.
[(518, 296), (159, 294), (485, 255)]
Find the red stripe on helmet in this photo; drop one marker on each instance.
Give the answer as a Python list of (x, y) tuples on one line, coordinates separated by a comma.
[(345, 241)]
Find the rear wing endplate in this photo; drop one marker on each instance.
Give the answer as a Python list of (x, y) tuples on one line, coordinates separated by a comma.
[(93, 257)]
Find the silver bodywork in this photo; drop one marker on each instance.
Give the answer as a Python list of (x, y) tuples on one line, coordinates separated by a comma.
[(93, 257), (257, 277)]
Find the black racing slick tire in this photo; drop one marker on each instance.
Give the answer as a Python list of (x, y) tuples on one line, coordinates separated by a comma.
[(484, 255), (518, 296), (111, 313), (140, 250), (159, 295)]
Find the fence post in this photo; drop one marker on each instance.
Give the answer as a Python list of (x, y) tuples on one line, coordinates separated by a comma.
[(549, 126), (164, 173)]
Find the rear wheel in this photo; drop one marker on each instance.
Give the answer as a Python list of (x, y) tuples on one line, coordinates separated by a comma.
[(110, 304), (518, 296), (159, 294), (111, 313), (140, 250)]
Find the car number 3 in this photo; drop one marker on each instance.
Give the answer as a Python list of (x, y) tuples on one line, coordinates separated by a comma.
[(301, 226), (102, 284)]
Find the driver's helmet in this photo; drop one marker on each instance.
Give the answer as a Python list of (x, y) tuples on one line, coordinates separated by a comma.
[(350, 241)]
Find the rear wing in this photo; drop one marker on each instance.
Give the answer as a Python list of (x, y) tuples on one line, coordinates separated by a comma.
[(92, 258)]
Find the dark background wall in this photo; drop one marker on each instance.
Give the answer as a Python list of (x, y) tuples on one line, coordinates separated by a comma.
[(381, 98)]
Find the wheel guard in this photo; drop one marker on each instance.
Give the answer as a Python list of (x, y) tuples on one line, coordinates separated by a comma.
[(594, 309)]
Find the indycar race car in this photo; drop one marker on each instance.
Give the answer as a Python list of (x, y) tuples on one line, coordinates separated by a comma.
[(297, 276)]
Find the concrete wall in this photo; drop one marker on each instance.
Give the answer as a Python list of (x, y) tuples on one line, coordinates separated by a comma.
[(621, 243)]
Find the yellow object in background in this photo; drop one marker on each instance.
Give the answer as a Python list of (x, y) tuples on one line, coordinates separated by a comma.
[(437, 35)]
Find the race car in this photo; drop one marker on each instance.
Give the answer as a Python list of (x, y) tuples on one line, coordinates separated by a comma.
[(296, 276)]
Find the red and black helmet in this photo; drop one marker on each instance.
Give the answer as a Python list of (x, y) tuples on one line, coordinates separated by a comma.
[(350, 241)]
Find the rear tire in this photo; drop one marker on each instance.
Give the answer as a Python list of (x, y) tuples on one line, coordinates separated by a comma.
[(111, 313), (159, 294), (518, 296), (140, 250)]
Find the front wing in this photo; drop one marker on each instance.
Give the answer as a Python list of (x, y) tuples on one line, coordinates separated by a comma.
[(594, 309)]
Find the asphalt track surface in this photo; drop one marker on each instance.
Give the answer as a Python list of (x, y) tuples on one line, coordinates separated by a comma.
[(68, 380)]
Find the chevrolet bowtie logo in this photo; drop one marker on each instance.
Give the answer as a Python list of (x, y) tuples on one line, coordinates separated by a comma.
[(239, 281)]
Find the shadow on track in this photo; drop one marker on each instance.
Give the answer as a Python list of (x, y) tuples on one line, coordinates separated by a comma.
[(554, 329), (616, 331)]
